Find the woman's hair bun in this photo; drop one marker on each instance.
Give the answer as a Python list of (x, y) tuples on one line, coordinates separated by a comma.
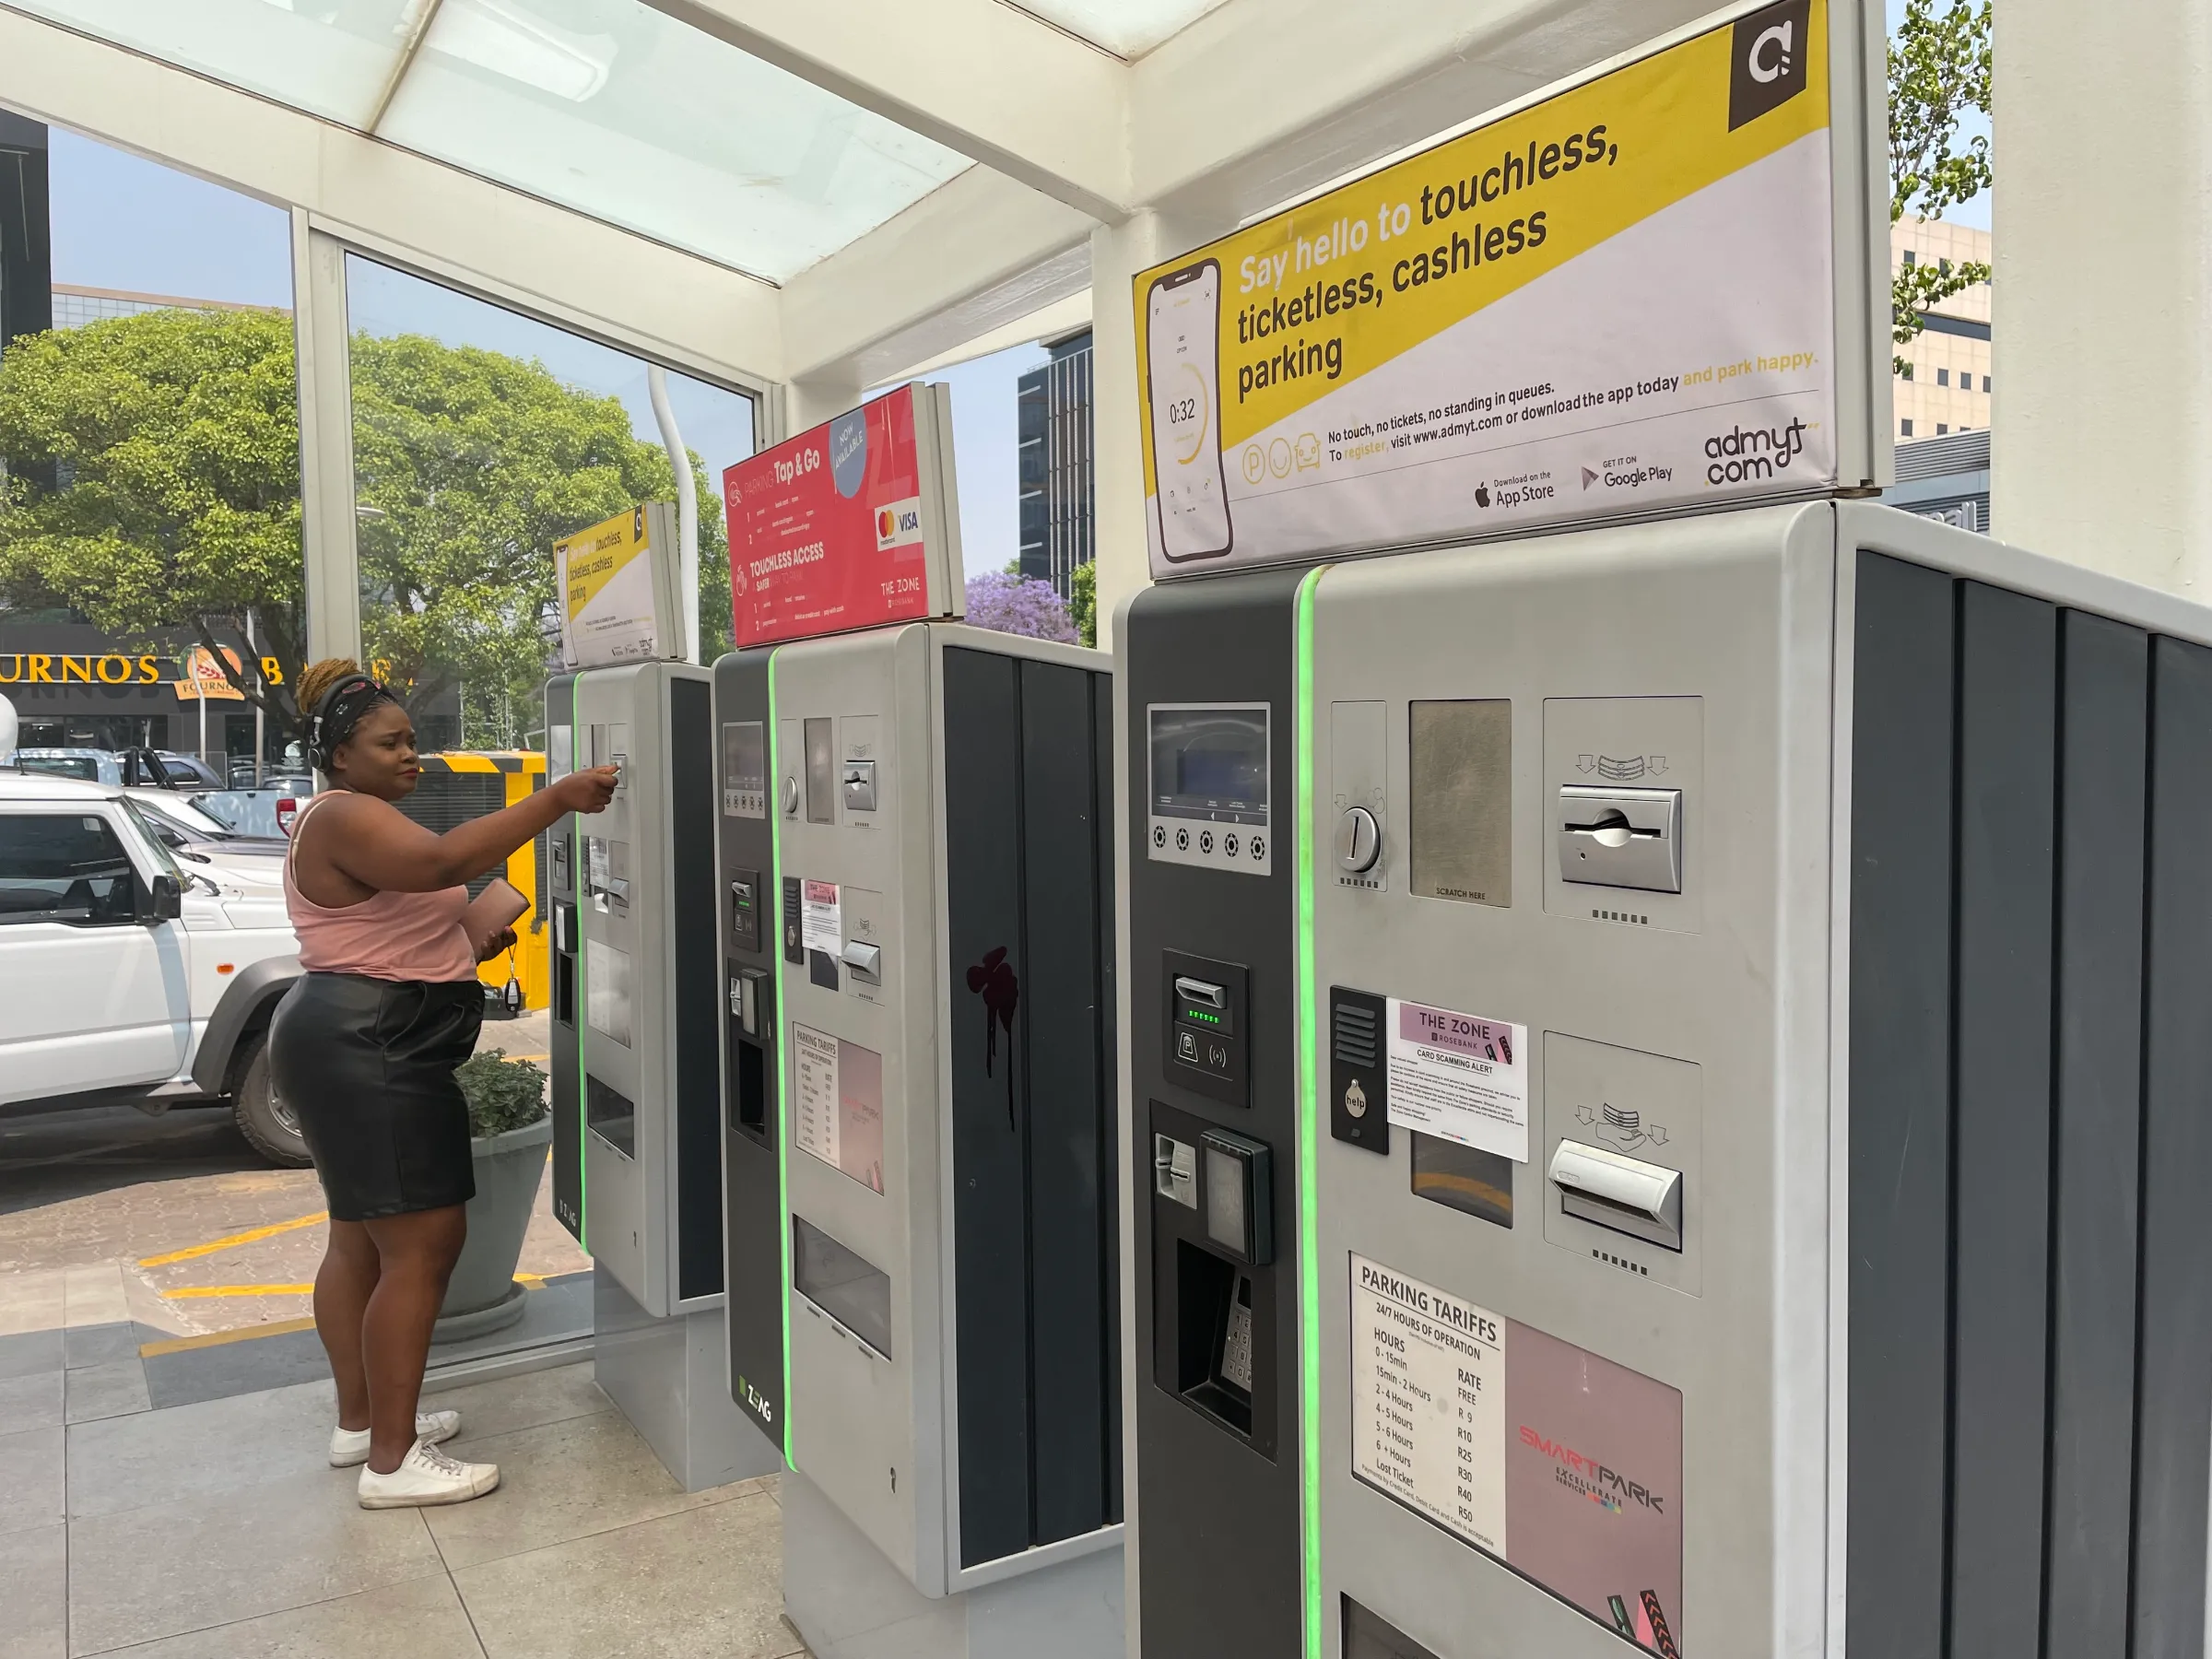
[(318, 678)]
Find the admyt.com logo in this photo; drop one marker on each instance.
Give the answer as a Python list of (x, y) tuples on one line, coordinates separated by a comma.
[(1750, 455), (1767, 60)]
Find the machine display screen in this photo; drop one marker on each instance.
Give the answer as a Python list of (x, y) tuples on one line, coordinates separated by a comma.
[(1210, 763)]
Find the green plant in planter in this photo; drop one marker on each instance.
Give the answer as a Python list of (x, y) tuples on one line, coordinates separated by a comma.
[(503, 1094)]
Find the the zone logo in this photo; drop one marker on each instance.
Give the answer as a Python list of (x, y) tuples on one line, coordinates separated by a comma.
[(1747, 454)]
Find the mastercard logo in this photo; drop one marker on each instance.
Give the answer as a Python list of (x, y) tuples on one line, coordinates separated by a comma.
[(885, 523)]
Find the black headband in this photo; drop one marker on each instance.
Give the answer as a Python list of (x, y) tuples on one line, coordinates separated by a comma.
[(337, 713)]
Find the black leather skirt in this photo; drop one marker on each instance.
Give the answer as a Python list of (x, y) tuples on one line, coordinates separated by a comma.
[(368, 1066)]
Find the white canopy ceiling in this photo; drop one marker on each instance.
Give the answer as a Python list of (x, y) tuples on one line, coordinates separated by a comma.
[(607, 106)]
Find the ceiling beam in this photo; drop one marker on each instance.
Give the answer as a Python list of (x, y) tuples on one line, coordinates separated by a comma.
[(979, 251), (977, 77)]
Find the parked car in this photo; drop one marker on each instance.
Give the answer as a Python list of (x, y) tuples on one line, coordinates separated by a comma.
[(93, 766), (133, 976), (256, 812), (188, 771)]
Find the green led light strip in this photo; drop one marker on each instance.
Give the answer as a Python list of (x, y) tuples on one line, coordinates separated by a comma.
[(584, 1085), (775, 832), (1309, 1098)]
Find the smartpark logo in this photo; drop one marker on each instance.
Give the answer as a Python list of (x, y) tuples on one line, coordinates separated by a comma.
[(1608, 1488), (1745, 455)]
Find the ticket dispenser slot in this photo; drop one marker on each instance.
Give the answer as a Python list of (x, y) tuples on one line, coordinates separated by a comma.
[(1623, 838), (1641, 1199)]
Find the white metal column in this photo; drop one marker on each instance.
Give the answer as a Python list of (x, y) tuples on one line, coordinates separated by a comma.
[(326, 517)]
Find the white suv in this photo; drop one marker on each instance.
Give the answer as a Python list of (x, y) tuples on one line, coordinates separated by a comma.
[(132, 978)]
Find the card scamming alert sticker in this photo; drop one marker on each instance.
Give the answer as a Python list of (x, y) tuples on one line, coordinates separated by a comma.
[(1460, 1076), (1560, 1463)]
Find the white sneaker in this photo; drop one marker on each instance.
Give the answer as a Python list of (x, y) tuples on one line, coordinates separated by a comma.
[(425, 1477), (351, 1447)]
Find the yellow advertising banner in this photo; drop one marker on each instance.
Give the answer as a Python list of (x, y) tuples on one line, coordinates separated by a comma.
[(614, 603), (1619, 296)]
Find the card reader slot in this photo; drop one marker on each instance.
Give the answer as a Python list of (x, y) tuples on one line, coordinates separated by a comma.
[(1199, 991)]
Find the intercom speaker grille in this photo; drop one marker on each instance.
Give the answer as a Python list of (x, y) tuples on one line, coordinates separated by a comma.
[(1356, 1033)]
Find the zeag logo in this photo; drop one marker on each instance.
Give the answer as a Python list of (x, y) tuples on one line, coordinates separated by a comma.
[(898, 523), (1767, 60)]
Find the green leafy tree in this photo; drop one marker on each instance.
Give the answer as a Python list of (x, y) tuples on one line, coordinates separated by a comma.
[(1083, 602), (152, 483), (1940, 74), (469, 465)]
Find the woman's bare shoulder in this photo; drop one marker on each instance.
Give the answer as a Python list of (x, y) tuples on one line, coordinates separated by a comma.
[(348, 812)]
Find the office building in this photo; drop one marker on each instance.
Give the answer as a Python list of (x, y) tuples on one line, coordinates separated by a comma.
[(1944, 478), (1053, 429), (26, 252), (1947, 385)]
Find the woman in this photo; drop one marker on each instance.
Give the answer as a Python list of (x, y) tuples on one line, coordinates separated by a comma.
[(364, 1048)]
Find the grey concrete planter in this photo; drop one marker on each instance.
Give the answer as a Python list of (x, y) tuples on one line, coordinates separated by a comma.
[(482, 1296)]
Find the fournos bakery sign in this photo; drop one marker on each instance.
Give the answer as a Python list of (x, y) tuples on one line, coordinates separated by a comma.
[(105, 668)]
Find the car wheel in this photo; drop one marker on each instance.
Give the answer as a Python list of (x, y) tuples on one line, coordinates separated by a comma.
[(264, 1117)]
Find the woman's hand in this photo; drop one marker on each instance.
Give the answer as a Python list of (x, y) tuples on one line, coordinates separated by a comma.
[(587, 790), (502, 940)]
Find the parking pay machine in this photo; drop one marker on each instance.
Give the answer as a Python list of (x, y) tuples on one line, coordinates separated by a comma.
[(1209, 698), (1752, 979), (919, 1062), (636, 1057)]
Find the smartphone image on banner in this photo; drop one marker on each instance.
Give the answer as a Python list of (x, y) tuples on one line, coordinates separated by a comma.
[(1182, 382)]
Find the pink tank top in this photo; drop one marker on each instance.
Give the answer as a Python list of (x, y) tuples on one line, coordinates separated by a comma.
[(388, 935)]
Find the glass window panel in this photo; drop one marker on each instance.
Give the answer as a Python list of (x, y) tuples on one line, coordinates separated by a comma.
[(1128, 28), (617, 111), (150, 510), (151, 575), (330, 57), (482, 437)]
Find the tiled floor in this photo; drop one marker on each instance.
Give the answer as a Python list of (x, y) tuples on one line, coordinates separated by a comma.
[(216, 1530)]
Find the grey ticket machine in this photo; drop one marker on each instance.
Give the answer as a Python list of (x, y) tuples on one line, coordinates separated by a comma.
[(930, 1326), (1755, 979), (1208, 681), (637, 1162)]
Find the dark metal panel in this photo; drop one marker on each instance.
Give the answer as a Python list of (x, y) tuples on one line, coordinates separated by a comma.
[(990, 981), (2103, 736), (565, 1062), (698, 1064), (1063, 1081), (2001, 1142), (2174, 1429), (752, 1176), (1109, 1163), (1901, 1069), (1217, 1519)]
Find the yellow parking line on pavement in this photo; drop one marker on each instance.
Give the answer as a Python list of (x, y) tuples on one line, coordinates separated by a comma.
[(194, 1292), (179, 1344), (201, 1292), (235, 1239)]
